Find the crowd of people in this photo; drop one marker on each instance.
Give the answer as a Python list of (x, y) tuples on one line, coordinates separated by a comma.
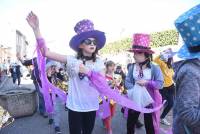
[(145, 81), (149, 82), (57, 76)]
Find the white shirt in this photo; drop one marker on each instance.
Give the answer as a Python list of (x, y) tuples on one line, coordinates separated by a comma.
[(82, 97)]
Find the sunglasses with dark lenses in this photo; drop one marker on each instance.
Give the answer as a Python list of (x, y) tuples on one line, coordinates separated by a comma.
[(89, 42), (139, 52)]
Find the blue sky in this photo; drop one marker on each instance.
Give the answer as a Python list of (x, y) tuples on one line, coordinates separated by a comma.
[(117, 18)]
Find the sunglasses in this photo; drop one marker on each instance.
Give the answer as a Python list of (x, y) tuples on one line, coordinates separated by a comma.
[(139, 52), (89, 42)]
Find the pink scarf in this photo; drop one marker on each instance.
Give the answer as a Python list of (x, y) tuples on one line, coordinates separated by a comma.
[(96, 79)]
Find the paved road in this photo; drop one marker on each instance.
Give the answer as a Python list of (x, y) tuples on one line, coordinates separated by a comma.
[(38, 125)]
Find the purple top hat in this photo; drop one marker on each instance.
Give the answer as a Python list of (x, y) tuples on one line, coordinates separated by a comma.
[(84, 30)]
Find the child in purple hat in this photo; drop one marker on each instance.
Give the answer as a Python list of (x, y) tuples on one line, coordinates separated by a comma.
[(82, 100)]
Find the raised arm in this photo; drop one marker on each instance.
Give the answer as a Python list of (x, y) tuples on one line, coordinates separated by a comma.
[(24, 62), (33, 21)]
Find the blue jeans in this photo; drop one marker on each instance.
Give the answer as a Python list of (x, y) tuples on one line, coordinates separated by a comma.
[(41, 103)]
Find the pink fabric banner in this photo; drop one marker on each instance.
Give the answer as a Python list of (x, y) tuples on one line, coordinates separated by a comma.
[(47, 86), (100, 83), (104, 109), (96, 79)]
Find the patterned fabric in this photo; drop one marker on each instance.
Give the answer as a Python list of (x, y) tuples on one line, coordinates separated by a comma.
[(84, 30), (60, 84), (84, 26), (141, 40), (141, 43), (188, 26), (5, 118), (186, 110), (111, 83)]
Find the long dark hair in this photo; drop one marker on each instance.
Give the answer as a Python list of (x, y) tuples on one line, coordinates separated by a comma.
[(147, 62), (81, 56), (149, 58), (169, 62)]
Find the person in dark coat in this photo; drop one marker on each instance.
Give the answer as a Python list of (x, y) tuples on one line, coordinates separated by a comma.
[(16, 73), (35, 76)]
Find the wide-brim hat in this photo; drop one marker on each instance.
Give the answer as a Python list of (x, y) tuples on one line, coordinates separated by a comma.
[(169, 53), (85, 30), (188, 25), (141, 43), (149, 51), (184, 53)]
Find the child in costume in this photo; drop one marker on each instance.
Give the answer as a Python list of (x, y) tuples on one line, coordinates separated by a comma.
[(62, 80), (165, 60), (120, 71), (110, 66), (143, 82), (186, 110), (55, 117), (82, 100)]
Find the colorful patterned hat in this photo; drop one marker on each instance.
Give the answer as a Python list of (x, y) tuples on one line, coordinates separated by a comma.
[(141, 43), (85, 30), (188, 25)]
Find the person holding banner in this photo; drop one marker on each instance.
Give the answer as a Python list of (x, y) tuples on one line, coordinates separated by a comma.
[(143, 82), (110, 68), (55, 117), (86, 77), (82, 99)]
